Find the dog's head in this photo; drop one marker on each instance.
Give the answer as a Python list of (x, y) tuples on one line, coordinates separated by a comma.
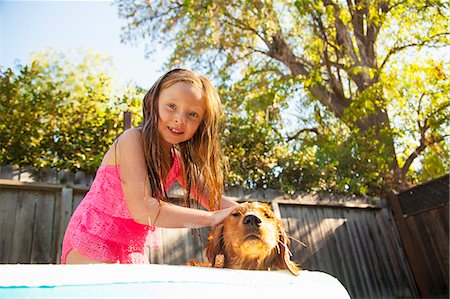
[(251, 238)]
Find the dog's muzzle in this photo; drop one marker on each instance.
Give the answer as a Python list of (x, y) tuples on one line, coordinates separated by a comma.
[(252, 221)]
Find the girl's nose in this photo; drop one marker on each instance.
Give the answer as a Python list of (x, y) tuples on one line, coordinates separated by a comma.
[(180, 120)]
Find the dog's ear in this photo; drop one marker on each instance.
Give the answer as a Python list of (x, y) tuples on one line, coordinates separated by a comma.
[(285, 253), (215, 244)]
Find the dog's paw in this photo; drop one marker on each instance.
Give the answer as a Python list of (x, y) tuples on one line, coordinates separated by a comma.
[(220, 261), (196, 263)]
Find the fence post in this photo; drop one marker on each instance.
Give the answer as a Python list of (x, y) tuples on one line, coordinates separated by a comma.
[(414, 259), (64, 214), (127, 120)]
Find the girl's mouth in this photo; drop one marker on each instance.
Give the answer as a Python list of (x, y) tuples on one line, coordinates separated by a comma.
[(175, 131)]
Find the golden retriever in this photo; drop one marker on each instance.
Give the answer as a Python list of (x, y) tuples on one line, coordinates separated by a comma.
[(250, 238)]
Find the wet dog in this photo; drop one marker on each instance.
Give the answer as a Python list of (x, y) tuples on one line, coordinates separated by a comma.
[(250, 238)]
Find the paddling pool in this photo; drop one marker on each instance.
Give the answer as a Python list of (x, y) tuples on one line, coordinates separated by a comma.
[(161, 281)]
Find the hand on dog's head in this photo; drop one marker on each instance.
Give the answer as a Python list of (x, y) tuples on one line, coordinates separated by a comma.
[(251, 238)]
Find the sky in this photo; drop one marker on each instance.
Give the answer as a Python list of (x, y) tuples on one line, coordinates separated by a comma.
[(33, 26)]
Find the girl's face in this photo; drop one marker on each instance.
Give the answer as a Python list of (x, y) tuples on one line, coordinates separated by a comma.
[(181, 109)]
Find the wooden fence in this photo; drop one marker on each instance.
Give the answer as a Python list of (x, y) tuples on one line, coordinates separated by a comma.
[(352, 240), (422, 217)]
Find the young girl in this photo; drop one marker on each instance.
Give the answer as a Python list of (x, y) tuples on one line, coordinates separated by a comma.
[(178, 140)]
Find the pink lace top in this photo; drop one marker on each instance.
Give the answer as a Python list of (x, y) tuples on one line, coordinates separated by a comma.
[(102, 228)]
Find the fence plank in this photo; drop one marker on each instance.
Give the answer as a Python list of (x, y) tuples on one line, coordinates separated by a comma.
[(64, 214), (41, 251), (357, 253), (432, 242), (323, 235), (77, 198), (23, 230), (441, 240), (382, 273), (355, 286), (395, 262), (330, 223), (367, 238), (389, 257), (347, 276), (309, 258), (415, 259), (293, 229), (8, 203)]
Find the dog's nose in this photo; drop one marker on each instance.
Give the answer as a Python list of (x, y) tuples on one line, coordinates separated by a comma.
[(252, 220)]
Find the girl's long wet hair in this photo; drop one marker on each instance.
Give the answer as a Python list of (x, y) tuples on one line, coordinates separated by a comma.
[(201, 155)]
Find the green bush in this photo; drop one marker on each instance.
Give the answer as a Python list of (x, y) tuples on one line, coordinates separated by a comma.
[(61, 112)]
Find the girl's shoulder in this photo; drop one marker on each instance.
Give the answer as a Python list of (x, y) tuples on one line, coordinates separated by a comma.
[(128, 141), (132, 133)]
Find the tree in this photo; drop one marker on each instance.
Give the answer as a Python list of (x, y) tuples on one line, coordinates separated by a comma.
[(351, 59), (61, 112)]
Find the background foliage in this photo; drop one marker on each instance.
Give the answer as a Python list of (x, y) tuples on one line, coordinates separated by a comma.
[(61, 111), (345, 96), (348, 97)]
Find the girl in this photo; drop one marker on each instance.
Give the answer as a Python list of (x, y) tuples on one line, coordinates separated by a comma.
[(178, 140)]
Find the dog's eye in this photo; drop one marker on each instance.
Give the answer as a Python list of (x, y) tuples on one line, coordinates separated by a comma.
[(267, 215), (235, 214)]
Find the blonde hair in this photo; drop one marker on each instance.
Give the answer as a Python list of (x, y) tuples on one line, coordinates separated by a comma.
[(201, 155)]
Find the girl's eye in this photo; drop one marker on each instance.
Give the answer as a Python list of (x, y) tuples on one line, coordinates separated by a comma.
[(171, 106), (193, 114)]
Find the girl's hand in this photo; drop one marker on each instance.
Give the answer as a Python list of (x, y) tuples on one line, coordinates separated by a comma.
[(217, 217)]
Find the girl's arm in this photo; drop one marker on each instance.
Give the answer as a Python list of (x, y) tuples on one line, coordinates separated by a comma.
[(144, 208)]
